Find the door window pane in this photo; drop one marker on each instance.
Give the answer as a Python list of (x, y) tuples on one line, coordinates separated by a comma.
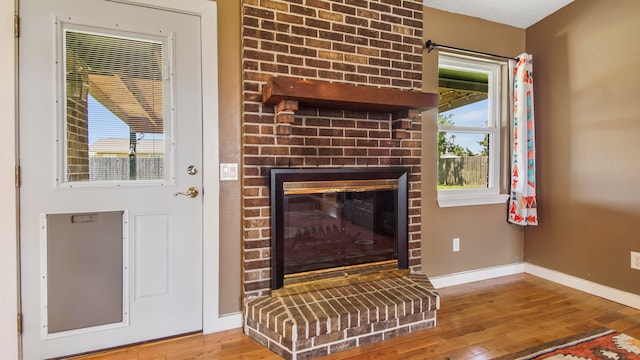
[(114, 108)]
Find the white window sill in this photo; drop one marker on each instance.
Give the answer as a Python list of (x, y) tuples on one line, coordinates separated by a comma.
[(471, 200)]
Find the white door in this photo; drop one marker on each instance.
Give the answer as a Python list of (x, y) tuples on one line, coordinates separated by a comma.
[(110, 144)]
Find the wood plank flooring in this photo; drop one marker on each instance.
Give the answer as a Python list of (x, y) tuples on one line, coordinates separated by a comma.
[(481, 320)]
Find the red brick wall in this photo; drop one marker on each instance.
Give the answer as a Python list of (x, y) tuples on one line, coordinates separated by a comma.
[(367, 42)]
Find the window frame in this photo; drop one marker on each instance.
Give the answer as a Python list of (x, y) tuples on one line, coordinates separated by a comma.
[(491, 194)]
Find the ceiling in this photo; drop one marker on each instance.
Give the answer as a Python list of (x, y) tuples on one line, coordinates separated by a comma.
[(519, 13)]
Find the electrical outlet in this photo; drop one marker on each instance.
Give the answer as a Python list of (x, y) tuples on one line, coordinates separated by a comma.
[(635, 260), (456, 244)]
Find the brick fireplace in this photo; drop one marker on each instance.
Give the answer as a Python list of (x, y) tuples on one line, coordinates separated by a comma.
[(364, 45)]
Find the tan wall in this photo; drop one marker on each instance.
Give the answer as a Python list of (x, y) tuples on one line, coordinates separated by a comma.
[(230, 77), (486, 239), (588, 126), (581, 217)]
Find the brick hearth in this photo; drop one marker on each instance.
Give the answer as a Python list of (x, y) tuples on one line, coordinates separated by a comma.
[(321, 321)]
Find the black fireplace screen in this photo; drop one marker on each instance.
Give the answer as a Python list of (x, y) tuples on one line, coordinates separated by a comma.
[(331, 218)]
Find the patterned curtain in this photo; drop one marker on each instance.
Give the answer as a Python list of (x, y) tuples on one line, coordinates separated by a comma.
[(522, 202)]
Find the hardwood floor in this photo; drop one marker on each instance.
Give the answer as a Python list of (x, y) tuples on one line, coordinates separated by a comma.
[(481, 320)]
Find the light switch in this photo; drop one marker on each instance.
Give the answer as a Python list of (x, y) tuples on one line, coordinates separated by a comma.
[(228, 171)]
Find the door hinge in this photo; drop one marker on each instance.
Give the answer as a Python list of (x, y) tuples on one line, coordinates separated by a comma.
[(19, 324), (16, 25), (18, 179)]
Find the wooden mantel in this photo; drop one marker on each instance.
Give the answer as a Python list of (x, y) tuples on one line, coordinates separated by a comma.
[(287, 93), (323, 94)]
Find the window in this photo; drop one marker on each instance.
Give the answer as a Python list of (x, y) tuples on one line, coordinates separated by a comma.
[(116, 92), (469, 119)]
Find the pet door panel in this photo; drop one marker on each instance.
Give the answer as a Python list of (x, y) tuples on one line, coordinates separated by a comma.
[(84, 270)]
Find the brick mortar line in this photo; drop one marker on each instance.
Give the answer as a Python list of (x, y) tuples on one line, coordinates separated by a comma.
[(416, 48), (332, 11), (414, 29), (270, 341), (373, 333), (414, 88)]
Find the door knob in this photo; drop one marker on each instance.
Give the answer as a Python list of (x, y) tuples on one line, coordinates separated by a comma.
[(191, 192)]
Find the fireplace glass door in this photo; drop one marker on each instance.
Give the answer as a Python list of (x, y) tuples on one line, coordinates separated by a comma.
[(343, 227), (337, 218)]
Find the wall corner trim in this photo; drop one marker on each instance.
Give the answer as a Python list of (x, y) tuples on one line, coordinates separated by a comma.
[(224, 322), (476, 275), (606, 292), (590, 287)]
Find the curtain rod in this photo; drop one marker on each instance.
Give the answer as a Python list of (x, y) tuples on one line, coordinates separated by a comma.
[(430, 45)]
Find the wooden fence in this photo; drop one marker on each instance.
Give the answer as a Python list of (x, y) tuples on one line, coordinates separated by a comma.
[(470, 171), (117, 168)]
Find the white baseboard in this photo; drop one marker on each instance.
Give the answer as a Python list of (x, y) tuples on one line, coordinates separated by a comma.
[(476, 275), (234, 321), (225, 322), (590, 287), (606, 292)]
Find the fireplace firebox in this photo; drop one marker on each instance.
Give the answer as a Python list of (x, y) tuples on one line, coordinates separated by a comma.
[(337, 218)]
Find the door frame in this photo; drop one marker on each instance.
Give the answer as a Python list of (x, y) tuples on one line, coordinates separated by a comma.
[(9, 308), (9, 240)]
